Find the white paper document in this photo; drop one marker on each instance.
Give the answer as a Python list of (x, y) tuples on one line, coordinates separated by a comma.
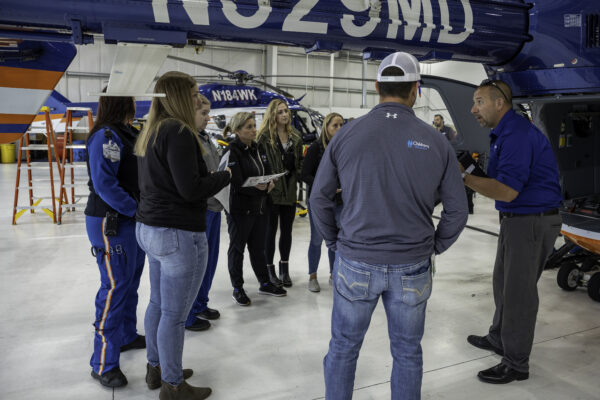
[(256, 180)]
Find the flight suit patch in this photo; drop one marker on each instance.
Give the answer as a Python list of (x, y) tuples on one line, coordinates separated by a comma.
[(111, 151)]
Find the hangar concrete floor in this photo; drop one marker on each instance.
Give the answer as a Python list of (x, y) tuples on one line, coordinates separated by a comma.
[(274, 349)]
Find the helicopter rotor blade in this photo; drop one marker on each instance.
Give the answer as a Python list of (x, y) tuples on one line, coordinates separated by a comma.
[(318, 77), (232, 75), (201, 64), (275, 88)]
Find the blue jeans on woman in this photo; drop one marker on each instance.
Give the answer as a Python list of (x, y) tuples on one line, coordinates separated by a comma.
[(177, 260), (314, 248), (213, 237), (404, 289)]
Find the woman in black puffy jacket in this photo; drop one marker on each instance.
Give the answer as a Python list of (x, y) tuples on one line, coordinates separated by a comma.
[(247, 218)]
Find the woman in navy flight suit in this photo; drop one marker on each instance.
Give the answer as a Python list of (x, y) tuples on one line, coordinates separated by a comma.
[(110, 224)]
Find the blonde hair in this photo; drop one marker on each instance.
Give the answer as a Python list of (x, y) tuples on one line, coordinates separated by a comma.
[(325, 136), (238, 120), (269, 122), (203, 100), (226, 131), (178, 105)]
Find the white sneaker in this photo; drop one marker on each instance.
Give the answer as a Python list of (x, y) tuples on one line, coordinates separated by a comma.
[(313, 285)]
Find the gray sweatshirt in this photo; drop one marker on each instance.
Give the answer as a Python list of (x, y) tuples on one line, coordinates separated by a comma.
[(392, 166), (211, 158)]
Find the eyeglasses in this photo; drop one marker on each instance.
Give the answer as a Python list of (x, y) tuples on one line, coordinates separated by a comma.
[(489, 82)]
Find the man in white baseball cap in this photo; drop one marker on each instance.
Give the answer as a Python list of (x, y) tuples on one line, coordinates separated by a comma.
[(390, 166)]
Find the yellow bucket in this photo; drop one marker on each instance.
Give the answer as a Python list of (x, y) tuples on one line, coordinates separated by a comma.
[(7, 153)]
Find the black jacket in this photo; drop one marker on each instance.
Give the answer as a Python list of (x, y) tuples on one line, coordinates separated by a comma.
[(312, 159), (244, 162), (175, 182)]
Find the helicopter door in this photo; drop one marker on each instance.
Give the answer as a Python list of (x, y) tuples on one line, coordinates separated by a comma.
[(303, 122), (453, 100)]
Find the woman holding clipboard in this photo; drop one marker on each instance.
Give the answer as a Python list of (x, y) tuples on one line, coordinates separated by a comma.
[(247, 218)]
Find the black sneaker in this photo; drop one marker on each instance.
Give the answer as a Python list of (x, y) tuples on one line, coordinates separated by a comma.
[(209, 313), (271, 290), (239, 296), (113, 378), (138, 343), (198, 325)]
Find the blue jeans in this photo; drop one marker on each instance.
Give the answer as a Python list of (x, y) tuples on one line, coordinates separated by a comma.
[(404, 289), (177, 260), (314, 248), (213, 236)]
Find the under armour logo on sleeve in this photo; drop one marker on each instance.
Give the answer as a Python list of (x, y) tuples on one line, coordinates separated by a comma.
[(394, 115)]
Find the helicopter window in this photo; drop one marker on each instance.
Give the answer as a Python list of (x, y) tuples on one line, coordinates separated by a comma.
[(219, 121), (430, 104), (303, 122)]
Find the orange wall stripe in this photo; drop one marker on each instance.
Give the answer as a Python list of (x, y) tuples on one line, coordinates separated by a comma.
[(16, 118), (25, 78), (42, 117), (10, 137)]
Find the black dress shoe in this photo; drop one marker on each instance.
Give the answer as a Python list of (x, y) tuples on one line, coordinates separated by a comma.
[(198, 325), (138, 343), (482, 342), (502, 374), (209, 313), (113, 378)]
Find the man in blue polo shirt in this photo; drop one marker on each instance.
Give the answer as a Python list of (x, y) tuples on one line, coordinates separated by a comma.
[(523, 179)]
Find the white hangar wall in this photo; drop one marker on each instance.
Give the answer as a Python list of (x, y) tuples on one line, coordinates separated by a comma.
[(296, 72)]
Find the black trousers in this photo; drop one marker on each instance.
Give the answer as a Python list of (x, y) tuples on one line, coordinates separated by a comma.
[(523, 246), (251, 230), (470, 193), (285, 216)]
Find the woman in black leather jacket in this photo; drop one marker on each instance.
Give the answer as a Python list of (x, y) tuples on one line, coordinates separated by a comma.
[(247, 218)]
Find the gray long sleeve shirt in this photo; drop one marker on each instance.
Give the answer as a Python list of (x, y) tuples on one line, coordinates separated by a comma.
[(391, 166), (211, 158)]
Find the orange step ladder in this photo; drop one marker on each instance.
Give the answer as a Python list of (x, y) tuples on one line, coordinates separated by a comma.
[(26, 145), (67, 205)]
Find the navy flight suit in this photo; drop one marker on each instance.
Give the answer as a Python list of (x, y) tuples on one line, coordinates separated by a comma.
[(112, 168)]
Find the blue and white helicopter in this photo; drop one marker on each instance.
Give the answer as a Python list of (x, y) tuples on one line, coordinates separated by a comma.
[(226, 100), (548, 51)]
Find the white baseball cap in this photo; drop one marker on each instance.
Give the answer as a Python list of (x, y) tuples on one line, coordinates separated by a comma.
[(406, 62)]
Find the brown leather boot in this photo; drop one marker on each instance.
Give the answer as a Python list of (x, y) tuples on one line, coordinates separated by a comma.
[(153, 376), (183, 391)]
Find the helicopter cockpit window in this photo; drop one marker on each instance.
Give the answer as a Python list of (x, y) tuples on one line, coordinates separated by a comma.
[(219, 121), (303, 122), (432, 109)]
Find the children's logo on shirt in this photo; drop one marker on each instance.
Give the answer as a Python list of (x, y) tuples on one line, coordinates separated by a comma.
[(413, 144), (111, 151)]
